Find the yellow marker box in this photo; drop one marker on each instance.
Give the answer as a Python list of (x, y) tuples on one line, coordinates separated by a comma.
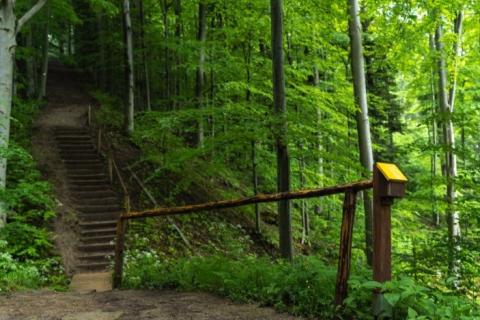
[(391, 172)]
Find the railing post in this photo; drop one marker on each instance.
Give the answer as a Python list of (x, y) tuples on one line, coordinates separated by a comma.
[(388, 184), (345, 255), (89, 119), (110, 169), (119, 253), (99, 142)]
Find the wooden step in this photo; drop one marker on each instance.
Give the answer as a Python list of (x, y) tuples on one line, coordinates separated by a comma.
[(98, 239), (98, 217), (73, 137), (98, 232), (82, 177), (69, 129), (107, 193), (101, 256), (92, 266), (97, 201), (80, 183), (97, 247), (99, 208), (78, 155), (73, 171), (90, 166), (76, 147), (98, 225), (92, 189)]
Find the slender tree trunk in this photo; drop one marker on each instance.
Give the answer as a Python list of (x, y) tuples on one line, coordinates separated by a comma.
[(146, 71), (7, 60), (166, 53), (44, 74), (283, 159), (178, 36), (453, 219), (200, 83), (129, 71), (255, 186), (102, 64), (434, 142), (363, 123), (303, 203), (70, 40), (31, 76), (316, 82)]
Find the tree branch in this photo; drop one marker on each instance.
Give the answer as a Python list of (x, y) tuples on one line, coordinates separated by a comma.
[(30, 13)]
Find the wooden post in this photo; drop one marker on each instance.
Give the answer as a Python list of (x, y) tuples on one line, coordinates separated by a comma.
[(388, 184), (345, 255), (119, 252), (382, 243), (89, 115), (110, 169), (99, 142)]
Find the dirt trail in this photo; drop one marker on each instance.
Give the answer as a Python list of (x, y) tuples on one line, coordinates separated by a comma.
[(123, 305), (67, 105)]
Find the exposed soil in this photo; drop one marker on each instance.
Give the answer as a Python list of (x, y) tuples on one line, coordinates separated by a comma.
[(67, 106), (123, 305)]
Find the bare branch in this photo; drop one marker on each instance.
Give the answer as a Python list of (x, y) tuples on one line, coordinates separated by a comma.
[(30, 13)]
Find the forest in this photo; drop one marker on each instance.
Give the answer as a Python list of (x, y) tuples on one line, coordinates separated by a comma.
[(195, 101)]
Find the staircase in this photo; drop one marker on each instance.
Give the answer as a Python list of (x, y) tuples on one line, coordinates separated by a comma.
[(98, 206)]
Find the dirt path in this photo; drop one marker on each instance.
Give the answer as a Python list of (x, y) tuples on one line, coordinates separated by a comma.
[(67, 107), (123, 305)]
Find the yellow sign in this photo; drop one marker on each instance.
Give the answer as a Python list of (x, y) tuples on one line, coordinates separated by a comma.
[(391, 172)]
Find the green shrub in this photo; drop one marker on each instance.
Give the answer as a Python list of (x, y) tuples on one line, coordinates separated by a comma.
[(26, 257)]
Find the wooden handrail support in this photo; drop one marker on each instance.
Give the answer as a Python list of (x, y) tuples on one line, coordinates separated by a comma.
[(351, 188)]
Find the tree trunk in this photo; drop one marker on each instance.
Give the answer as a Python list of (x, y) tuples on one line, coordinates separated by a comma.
[(31, 74), (201, 37), (102, 61), (146, 73), (453, 219), (178, 61), (283, 159), (255, 186), (166, 54), (316, 82), (434, 142), (363, 123), (303, 203), (7, 58), (44, 74), (129, 71)]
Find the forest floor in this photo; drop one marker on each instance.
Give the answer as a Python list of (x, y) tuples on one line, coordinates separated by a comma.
[(67, 107), (122, 305)]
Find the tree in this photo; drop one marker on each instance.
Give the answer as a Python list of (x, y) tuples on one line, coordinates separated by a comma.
[(9, 29), (446, 105), (129, 72), (280, 106), (363, 122), (201, 37)]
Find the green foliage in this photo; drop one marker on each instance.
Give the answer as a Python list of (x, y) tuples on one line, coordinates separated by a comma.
[(108, 115), (26, 258), (304, 287)]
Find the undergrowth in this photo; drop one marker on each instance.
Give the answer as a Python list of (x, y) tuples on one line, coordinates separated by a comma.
[(304, 287), (27, 260)]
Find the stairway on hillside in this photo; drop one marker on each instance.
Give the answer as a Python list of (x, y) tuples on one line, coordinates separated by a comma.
[(98, 206)]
